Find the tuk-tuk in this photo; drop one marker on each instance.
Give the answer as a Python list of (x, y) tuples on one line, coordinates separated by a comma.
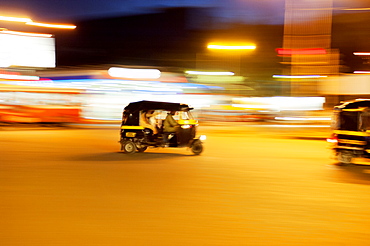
[(351, 132), (137, 135)]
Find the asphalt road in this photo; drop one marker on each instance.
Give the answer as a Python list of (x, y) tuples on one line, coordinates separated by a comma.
[(251, 186)]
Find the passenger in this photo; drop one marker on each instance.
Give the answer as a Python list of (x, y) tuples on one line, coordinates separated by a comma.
[(151, 116), (146, 120), (170, 125)]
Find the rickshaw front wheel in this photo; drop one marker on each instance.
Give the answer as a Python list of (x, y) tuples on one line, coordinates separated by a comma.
[(345, 157), (197, 147), (129, 147)]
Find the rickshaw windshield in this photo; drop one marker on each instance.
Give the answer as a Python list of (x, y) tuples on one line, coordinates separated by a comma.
[(185, 115), (348, 120)]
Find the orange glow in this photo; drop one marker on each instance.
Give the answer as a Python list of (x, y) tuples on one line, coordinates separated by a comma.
[(62, 26), (358, 9), (30, 22)]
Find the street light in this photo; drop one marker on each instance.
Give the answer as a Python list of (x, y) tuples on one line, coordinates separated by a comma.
[(213, 46)]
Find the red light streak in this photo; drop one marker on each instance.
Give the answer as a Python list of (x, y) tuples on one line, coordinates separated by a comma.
[(311, 51)]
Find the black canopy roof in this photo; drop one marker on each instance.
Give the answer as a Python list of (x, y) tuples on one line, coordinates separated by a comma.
[(354, 104), (152, 105)]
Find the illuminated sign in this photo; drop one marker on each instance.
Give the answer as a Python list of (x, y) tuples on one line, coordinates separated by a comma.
[(26, 49)]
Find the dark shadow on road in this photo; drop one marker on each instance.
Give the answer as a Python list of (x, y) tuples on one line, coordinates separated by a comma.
[(120, 156), (355, 174)]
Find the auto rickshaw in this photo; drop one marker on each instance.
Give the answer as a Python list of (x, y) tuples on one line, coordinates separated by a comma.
[(351, 132), (137, 137)]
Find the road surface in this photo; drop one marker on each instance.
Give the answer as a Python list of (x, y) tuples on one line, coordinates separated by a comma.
[(251, 186)]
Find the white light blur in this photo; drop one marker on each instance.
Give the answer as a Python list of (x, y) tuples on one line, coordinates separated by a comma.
[(26, 49), (209, 73), (202, 137), (15, 19), (19, 77), (132, 73), (361, 53), (361, 72), (29, 34)]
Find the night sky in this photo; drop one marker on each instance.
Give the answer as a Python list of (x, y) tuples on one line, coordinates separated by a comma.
[(247, 11), (257, 11), (261, 11)]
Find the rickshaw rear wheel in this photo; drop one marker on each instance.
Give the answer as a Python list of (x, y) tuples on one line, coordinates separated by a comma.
[(197, 147), (129, 147), (345, 157)]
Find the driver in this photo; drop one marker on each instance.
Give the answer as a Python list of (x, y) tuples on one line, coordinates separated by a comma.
[(170, 125)]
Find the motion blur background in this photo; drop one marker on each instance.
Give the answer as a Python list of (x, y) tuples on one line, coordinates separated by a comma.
[(246, 66), (232, 60)]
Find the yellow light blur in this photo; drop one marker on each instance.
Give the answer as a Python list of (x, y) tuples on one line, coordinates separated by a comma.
[(30, 34), (358, 9), (61, 26), (230, 47), (209, 73), (298, 76), (15, 19)]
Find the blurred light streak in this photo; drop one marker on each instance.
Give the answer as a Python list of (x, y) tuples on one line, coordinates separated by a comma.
[(361, 72), (209, 73), (310, 51), (357, 9), (298, 76), (361, 53), (283, 103), (48, 25), (29, 21), (231, 47), (134, 73), (29, 34), (15, 19), (296, 126), (303, 118), (18, 77)]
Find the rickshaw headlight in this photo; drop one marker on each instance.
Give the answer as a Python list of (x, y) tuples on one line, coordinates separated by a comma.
[(333, 139), (185, 126), (202, 137)]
